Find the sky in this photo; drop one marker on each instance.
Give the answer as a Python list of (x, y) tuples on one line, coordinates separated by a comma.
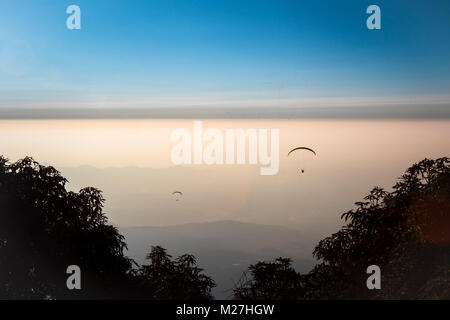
[(149, 53)]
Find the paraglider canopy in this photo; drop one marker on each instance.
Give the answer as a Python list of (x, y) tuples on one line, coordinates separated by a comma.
[(302, 148), (177, 194)]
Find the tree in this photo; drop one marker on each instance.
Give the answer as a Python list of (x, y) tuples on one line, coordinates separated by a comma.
[(270, 280), (164, 278), (405, 232), (44, 229)]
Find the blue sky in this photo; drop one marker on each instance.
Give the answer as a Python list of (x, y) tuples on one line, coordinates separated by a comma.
[(137, 51)]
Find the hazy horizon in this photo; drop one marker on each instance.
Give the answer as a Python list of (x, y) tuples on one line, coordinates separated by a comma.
[(397, 111), (130, 161)]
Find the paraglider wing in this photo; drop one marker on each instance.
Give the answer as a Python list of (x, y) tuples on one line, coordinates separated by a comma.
[(302, 148), (177, 195)]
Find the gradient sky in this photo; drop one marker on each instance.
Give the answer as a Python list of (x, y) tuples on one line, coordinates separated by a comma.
[(220, 49)]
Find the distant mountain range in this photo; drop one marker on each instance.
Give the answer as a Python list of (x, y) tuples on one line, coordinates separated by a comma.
[(224, 249)]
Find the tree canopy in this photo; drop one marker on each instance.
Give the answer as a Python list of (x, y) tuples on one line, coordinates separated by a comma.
[(44, 229), (405, 232)]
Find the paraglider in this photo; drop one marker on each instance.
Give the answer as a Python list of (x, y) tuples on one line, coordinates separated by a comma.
[(177, 194), (302, 148)]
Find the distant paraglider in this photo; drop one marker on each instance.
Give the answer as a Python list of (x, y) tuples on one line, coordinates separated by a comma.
[(302, 148), (178, 195)]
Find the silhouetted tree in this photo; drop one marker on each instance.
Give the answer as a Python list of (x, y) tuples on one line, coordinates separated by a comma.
[(405, 232), (270, 280), (165, 278), (44, 228)]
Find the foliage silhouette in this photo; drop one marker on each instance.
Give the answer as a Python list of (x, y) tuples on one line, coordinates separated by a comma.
[(165, 278), (405, 232), (270, 281), (44, 228)]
